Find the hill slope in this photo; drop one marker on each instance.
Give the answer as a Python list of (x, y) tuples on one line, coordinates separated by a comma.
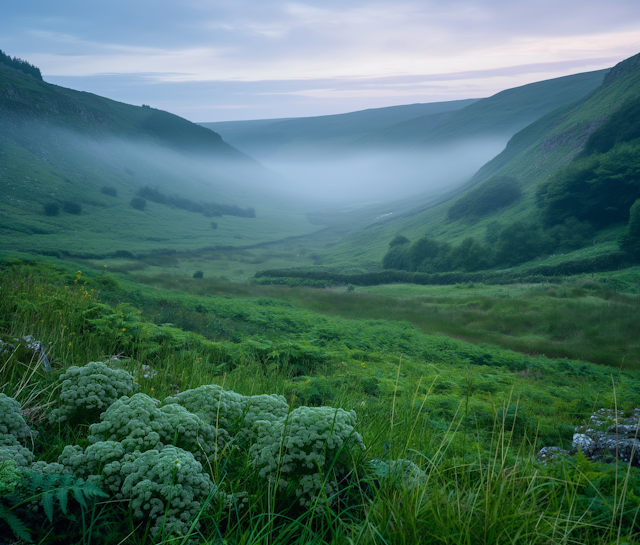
[(531, 157), (85, 157), (392, 153)]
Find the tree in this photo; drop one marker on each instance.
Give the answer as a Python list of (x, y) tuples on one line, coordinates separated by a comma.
[(138, 203), (630, 241)]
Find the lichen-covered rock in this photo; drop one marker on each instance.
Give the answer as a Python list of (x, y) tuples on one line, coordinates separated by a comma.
[(551, 454), (583, 443), (308, 451), (89, 390)]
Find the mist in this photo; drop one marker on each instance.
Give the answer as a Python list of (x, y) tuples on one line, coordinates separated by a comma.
[(379, 174)]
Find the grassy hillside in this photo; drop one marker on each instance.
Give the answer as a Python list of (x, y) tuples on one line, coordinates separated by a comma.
[(530, 157), (87, 157), (316, 136)]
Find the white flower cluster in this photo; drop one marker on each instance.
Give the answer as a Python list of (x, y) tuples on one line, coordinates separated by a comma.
[(139, 424), (89, 390), (14, 433), (307, 451), (235, 413), (167, 486)]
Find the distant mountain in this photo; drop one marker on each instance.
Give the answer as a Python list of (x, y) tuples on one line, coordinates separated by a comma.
[(313, 137), (72, 163), (393, 153)]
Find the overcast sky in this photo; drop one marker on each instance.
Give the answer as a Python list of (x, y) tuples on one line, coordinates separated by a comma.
[(221, 60)]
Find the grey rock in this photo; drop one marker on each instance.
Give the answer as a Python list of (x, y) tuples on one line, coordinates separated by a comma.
[(583, 443)]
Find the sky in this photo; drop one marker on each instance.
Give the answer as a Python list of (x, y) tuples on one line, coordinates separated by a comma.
[(221, 60)]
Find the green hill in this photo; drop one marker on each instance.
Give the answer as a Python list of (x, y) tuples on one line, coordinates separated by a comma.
[(71, 164), (387, 154), (541, 150)]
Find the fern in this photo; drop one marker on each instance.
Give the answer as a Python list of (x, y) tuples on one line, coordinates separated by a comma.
[(51, 490)]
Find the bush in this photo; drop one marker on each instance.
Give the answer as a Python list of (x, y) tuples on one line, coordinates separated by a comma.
[(198, 274), (138, 203), (308, 453), (51, 209), (111, 191), (214, 225), (630, 241), (71, 207), (490, 195), (89, 390)]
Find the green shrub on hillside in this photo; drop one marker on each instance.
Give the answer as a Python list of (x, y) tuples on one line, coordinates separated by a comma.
[(599, 188), (51, 209), (630, 241), (490, 195), (71, 207), (138, 203)]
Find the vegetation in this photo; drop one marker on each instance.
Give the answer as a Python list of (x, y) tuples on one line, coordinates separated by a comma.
[(493, 194), (21, 65), (414, 419), (206, 209), (108, 190), (138, 203)]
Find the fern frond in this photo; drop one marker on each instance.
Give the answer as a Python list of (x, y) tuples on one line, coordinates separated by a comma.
[(18, 527)]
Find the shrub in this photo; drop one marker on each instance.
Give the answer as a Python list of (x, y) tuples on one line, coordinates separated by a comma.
[(71, 207), (138, 203), (308, 453), (13, 428), (89, 390), (490, 195), (198, 274), (214, 225), (51, 209), (139, 425), (168, 487), (111, 191), (630, 241)]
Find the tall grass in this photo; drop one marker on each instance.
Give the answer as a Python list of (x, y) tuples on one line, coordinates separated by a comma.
[(592, 323), (478, 486)]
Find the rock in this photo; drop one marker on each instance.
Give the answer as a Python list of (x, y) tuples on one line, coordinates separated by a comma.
[(549, 454), (583, 443)]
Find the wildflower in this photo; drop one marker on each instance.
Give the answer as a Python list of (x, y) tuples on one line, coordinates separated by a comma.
[(308, 381), (363, 365), (69, 344), (124, 329)]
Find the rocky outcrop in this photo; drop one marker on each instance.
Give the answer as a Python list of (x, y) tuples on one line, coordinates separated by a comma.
[(609, 436)]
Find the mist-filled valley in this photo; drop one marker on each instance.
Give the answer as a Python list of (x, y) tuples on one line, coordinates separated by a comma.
[(399, 325)]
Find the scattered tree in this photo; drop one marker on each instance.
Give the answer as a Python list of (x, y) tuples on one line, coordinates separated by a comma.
[(111, 191), (71, 207), (198, 274), (138, 203), (51, 209)]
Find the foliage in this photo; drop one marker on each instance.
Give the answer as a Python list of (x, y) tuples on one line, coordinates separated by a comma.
[(138, 203), (167, 487), (109, 190), (21, 65), (51, 209), (10, 476), (622, 126), (138, 424), (198, 274), (630, 241), (52, 492), (13, 428), (308, 452), (207, 209), (71, 207), (89, 390), (600, 188), (488, 196)]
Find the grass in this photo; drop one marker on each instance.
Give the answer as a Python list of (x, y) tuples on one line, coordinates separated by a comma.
[(584, 319), (473, 429)]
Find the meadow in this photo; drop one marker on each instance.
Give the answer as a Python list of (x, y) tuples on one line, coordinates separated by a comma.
[(440, 447)]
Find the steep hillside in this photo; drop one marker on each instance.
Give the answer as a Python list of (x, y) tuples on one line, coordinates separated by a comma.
[(71, 164), (393, 153), (534, 154)]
